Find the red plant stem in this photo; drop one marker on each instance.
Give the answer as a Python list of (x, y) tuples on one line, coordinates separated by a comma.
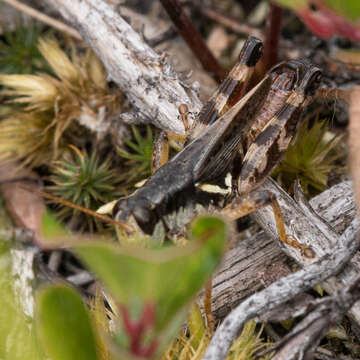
[(148, 315), (193, 38), (135, 330), (272, 34), (129, 326)]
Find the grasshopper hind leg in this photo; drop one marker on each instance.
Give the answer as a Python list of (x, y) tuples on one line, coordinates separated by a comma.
[(256, 200)]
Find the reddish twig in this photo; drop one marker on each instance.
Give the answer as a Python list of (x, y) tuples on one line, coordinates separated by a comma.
[(207, 306), (107, 219), (272, 34), (193, 38)]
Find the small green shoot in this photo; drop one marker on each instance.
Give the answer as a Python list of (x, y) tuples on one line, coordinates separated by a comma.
[(85, 181)]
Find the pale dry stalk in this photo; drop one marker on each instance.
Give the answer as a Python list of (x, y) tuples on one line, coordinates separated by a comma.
[(354, 141)]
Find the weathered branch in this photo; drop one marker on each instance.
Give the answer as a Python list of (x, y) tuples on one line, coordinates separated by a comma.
[(259, 258), (148, 80), (283, 290), (304, 338)]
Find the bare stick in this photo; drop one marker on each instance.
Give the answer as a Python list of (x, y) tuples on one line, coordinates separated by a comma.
[(304, 338), (44, 18), (281, 291), (272, 34), (193, 38)]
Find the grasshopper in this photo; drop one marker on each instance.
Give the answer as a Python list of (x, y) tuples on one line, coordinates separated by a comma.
[(244, 135)]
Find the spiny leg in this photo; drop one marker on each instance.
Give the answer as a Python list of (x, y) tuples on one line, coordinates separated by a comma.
[(231, 90), (256, 200), (184, 115), (160, 154)]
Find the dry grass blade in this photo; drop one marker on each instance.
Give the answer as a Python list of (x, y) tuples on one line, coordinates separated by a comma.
[(44, 18), (104, 218)]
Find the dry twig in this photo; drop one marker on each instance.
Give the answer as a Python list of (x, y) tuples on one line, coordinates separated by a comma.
[(304, 338), (272, 35), (44, 18), (147, 79), (281, 291)]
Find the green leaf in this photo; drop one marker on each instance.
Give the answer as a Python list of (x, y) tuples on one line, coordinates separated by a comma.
[(51, 227), (349, 9), (64, 325), (196, 326), (293, 4), (167, 278)]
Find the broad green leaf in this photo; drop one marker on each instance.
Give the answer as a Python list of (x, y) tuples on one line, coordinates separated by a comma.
[(64, 325), (350, 9), (168, 278), (51, 227), (293, 4)]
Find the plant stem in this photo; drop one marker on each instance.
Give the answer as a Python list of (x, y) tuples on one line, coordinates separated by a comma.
[(272, 34)]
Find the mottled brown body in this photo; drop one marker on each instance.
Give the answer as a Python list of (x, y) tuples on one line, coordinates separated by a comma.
[(281, 88), (269, 146)]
